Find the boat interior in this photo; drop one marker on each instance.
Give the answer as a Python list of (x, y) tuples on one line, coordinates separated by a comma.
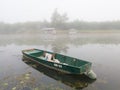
[(62, 58)]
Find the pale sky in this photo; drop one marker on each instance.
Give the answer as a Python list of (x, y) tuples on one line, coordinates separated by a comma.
[(12, 11)]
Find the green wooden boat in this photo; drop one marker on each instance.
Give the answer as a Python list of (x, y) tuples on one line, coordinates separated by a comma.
[(60, 62)]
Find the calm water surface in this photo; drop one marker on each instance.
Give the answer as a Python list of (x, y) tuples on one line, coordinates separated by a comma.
[(103, 50)]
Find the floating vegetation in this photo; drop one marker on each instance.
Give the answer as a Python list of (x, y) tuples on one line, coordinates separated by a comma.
[(103, 81), (27, 76), (25, 82), (17, 82), (14, 88), (21, 82), (5, 84), (36, 88)]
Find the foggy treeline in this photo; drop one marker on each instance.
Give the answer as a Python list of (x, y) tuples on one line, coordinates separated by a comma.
[(58, 22)]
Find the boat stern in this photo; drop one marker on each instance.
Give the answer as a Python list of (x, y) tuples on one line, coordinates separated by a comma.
[(91, 74)]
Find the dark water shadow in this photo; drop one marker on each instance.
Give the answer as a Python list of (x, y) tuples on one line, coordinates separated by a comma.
[(75, 81)]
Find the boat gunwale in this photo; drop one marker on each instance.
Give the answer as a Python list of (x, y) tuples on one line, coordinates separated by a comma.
[(68, 65), (49, 66), (67, 56), (57, 63)]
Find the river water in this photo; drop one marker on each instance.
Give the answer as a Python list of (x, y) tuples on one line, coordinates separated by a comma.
[(102, 49)]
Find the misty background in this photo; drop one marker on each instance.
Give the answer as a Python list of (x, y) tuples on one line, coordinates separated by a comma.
[(57, 22), (23, 16)]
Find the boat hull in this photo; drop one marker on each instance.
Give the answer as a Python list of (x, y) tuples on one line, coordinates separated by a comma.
[(55, 66), (69, 66)]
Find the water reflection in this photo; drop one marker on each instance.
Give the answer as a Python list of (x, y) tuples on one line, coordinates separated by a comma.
[(74, 81), (103, 50), (59, 42), (78, 39)]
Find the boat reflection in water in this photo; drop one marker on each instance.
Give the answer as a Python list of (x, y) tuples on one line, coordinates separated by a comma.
[(74, 81)]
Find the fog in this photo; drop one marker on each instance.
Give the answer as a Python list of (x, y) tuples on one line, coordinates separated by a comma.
[(84, 29), (13, 11)]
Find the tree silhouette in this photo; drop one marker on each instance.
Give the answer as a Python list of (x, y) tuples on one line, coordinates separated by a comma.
[(58, 21)]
